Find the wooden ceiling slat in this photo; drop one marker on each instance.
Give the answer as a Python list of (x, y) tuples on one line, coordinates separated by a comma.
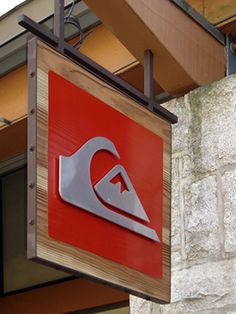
[(218, 12)]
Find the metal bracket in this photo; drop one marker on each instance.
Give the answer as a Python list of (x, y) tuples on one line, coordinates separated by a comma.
[(58, 28), (56, 40), (231, 54), (148, 77), (5, 121)]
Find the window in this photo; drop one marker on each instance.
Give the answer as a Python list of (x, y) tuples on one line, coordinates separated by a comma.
[(17, 272)]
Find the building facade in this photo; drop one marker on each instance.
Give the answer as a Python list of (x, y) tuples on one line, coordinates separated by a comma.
[(203, 210)]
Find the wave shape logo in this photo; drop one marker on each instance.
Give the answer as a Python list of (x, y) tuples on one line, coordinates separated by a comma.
[(75, 187)]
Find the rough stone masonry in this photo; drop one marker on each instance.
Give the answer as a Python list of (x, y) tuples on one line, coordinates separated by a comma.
[(203, 204)]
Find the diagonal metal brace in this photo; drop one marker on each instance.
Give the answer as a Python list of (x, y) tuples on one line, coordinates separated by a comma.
[(41, 31)]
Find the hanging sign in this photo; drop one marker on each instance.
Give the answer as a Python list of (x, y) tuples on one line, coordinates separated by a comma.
[(99, 178)]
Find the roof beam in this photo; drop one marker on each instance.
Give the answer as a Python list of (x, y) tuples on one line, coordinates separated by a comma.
[(185, 55)]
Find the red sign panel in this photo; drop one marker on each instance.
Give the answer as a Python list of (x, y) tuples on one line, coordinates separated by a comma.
[(93, 147)]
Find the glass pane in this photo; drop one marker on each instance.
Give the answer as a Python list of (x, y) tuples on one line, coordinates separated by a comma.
[(19, 272)]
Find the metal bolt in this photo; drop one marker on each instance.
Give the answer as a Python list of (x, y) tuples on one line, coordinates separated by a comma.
[(32, 111), (32, 74), (32, 148), (32, 222), (31, 185), (233, 48), (4, 120)]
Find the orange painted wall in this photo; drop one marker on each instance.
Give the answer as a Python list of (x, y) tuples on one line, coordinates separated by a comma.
[(61, 298), (13, 94), (100, 45)]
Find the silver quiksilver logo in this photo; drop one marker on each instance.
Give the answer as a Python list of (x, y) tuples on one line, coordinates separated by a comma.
[(75, 187)]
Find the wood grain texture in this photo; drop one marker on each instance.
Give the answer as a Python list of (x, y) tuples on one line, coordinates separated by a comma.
[(65, 255), (198, 5), (8, 135), (185, 55), (218, 12)]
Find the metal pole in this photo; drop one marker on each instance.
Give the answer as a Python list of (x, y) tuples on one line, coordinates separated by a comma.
[(148, 76), (59, 23)]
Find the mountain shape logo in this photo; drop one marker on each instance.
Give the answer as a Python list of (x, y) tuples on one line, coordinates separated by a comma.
[(75, 187), (126, 200)]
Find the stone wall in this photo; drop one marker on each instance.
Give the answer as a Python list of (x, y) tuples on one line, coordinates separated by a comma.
[(203, 204)]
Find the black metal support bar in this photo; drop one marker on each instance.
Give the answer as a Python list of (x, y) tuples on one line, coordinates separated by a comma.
[(38, 30), (117, 83), (58, 28), (31, 140), (211, 29), (94, 68), (231, 54), (148, 77)]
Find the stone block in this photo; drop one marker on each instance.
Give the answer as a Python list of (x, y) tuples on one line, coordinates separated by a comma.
[(187, 166), (229, 203), (201, 219), (212, 280), (140, 306), (204, 288), (180, 131), (176, 258), (213, 125), (175, 203)]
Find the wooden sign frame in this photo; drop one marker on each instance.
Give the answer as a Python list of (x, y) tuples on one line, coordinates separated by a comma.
[(42, 248)]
